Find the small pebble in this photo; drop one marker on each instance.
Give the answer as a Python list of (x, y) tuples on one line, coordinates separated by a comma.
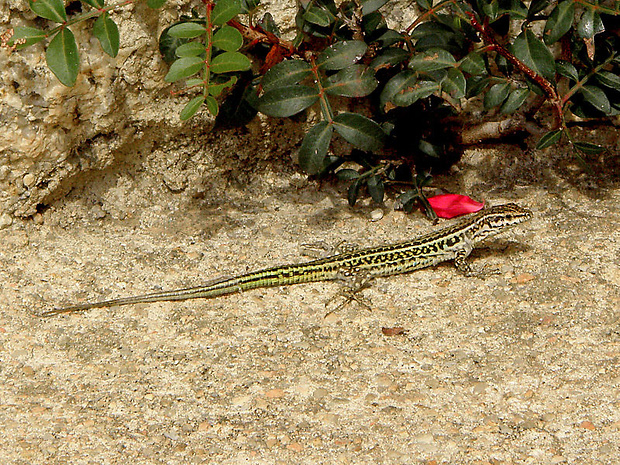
[(29, 180), (6, 220), (376, 214), (172, 435), (524, 278), (274, 394), (98, 212), (424, 438), (480, 387), (295, 446)]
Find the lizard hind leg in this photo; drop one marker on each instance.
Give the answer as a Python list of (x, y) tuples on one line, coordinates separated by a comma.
[(354, 282)]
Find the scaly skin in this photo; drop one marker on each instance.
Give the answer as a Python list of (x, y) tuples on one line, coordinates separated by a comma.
[(454, 242)]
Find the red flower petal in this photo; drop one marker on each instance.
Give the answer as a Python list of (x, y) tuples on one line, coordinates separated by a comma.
[(451, 205)]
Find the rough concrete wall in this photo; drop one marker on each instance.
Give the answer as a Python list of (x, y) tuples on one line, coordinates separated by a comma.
[(119, 110)]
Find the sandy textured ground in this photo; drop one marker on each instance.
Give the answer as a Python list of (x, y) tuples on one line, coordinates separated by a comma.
[(519, 368)]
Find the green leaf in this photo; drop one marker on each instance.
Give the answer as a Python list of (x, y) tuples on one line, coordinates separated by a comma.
[(491, 9), (476, 85), (286, 73), (238, 109), (590, 24), (429, 149), (318, 16), (389, 37), (194, 82), (217, 88), (566, 69), (154, 4), (169, 44), (430, 28), (354, 81), (30, 36), (398, 84), (404, 89), (187, 30), (225, 10), (409, 198), (372, 24), (359, 131), (370, 6), (535, 54), (515, 9), (94, 3), (433, 41), (596, 97), (536, 6), (287, 101), (376, 189), (268, 24), (549, 139), (183, 68), (515, 100), (473, 64), (424, 4), (347, 174), (229, 62), (106, 31), (432, 59), (192, 107), (608, 79), (353, 191), (341, 54), (560, 21), (53, 10), (228, 38), (388, 58), (454, 83), (589, 148), (62, 57), (191, 49), (212, 105), (496, 95), (419, 90), (314, 147), (249, 5)]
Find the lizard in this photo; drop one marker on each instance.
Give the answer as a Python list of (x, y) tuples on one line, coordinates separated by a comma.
[(454, 242)]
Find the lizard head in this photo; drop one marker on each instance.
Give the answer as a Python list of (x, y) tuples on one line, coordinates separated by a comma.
[(498, 219)]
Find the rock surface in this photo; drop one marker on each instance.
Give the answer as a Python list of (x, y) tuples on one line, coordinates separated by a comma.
[(519, 368)]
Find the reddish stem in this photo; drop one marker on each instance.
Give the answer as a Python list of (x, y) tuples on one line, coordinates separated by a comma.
[(543, 83)]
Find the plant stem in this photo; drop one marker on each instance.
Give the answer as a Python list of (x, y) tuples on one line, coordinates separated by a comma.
[(326, 109), (543, 83), (209, 48), (579, 85), (90, 14)]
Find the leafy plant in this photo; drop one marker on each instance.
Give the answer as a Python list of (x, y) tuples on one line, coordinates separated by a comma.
[(62, 51), (516, 57), (209, 48)]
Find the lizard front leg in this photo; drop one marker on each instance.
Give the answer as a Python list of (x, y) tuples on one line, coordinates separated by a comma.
[(461, 264)]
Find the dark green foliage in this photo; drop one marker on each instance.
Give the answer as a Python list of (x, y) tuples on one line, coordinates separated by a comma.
[(106, 31), (54, 10), (454, 51), (62, 57)]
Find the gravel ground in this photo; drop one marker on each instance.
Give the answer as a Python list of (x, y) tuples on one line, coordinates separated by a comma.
[(521, 367)]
